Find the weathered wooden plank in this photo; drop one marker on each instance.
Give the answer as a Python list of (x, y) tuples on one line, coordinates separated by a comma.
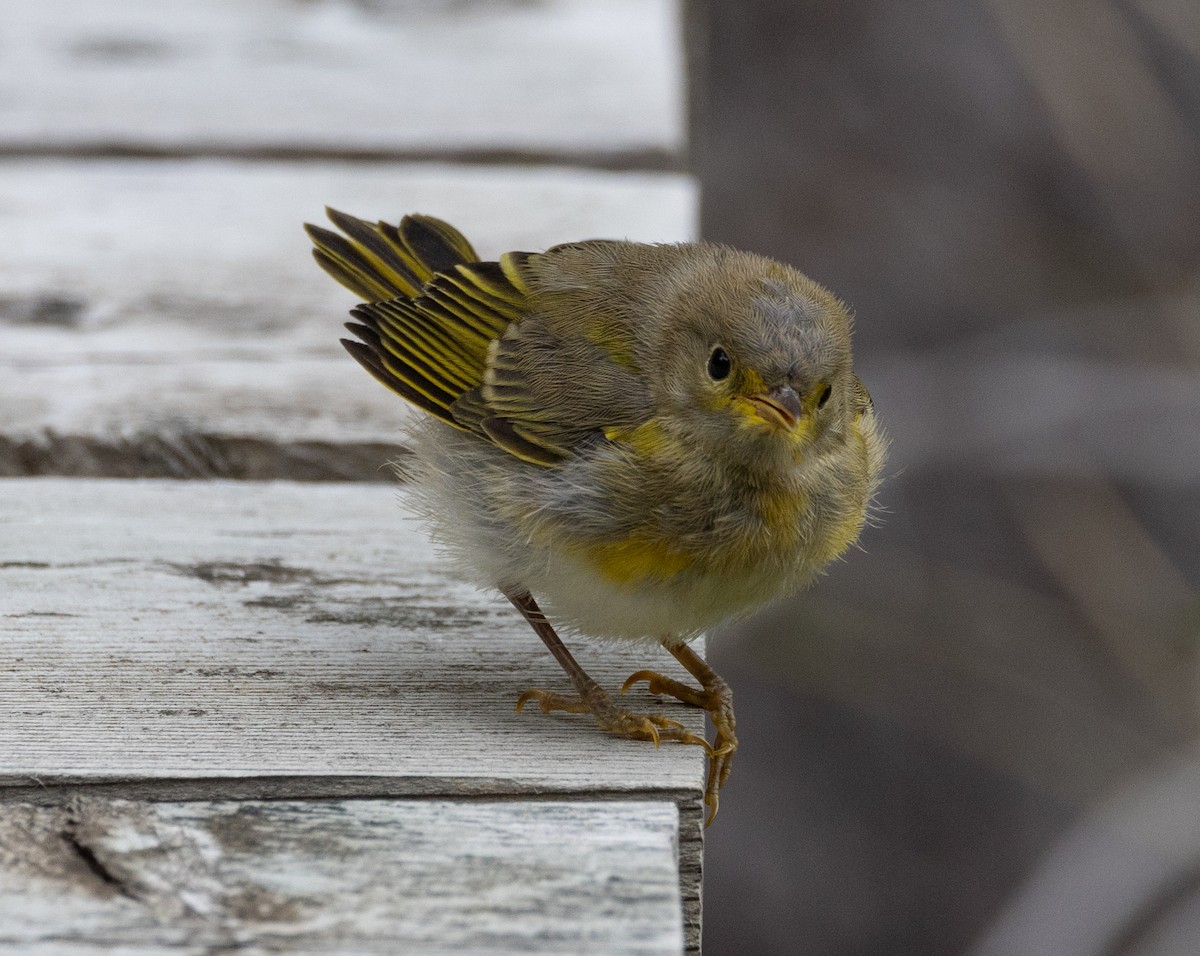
[(167, 318), (362, 876), (217, 246), (210, 640), (162, 630), (573, 77)]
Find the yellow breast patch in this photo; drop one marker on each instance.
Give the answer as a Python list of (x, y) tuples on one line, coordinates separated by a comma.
[(637, 559)]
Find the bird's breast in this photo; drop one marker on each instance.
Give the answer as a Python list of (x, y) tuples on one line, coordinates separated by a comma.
[(638, 559), (756, 533)]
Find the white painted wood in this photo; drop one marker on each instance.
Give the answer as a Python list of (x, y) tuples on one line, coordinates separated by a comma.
[(217, 246), (222, 640), (363, 876), (597, 76), (162, 630), (176, 304)]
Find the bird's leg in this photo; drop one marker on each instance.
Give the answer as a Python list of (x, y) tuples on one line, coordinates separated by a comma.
[(715, 697), (591, 697)]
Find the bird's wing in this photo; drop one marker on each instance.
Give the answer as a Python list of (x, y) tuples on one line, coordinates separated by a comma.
[(462, 340), (378, 261), (558, 391), (433, 349)]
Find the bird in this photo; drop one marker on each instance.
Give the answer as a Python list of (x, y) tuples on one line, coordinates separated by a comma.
[(631, 442)]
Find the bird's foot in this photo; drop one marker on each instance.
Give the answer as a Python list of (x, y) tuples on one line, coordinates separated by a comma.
[(616, 720), (716, 698)]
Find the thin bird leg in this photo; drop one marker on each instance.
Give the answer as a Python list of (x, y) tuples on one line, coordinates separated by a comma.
[(715, 697), (592, 698)]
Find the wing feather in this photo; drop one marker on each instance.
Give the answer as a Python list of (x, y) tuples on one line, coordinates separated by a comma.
[(462, 339)]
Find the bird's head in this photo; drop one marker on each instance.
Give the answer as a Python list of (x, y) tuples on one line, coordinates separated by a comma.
[(756, 360)]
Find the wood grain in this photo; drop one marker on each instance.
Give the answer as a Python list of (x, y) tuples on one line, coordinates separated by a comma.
[(362, 876), (340, 77), (226, 644), (157, 630), (167, 319), (225, 640)]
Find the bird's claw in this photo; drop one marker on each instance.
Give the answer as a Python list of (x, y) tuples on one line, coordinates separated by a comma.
[(658, 683), (717, 700), (615, 720)]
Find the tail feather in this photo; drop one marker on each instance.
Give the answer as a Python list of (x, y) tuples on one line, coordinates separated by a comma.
[(344, 261), (430, 316), (379, 261), (435, 244)]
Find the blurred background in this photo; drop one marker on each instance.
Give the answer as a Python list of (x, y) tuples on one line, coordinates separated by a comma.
[(1008, 195), (977, 733)]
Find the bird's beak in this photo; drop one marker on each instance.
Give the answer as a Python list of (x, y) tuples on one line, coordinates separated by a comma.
[(780, 407)]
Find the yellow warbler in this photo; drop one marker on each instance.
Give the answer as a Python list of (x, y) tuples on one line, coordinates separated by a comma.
[(649, 438)]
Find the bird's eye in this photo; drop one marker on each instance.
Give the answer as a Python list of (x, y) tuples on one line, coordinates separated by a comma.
[(824, 396), (719, 364)]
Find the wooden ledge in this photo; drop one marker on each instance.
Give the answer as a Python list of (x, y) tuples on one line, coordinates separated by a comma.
[(362, 876), (209, 640)]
